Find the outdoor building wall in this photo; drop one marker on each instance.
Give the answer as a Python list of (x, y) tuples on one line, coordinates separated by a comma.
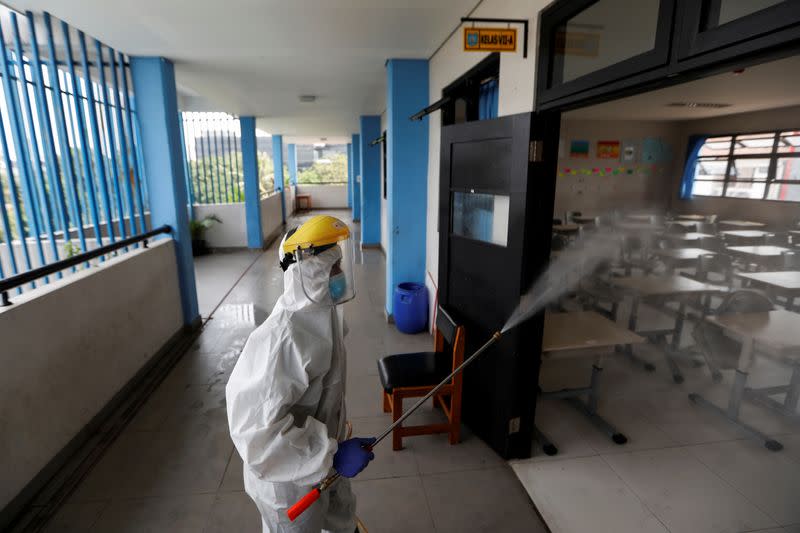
[(772, 212), (516, 95), (291, 193), (70, 346), (325, 196)]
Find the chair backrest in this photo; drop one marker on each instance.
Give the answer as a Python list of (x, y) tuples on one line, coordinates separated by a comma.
[(448, 331), (556, 221), (745, 301), (714, 244)]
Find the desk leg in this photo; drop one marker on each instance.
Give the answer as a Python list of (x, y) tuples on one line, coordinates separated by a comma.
[(675, 343), (589, 409), (632, 319), (788, 408), (732, 411), (547, 446)]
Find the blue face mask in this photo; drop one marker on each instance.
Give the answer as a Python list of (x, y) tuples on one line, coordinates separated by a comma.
[(337, 285)]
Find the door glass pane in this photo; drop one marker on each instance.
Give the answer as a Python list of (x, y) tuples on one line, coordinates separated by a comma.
[(784, 192), (752, 189), (730, 10), (707, 188), (750, 169), (604, 34), (483, 217)]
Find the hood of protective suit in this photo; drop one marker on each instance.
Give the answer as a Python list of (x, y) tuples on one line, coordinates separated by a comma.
[(312, 274)]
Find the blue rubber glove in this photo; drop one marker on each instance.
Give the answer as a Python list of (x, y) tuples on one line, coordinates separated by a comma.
[(352, 457)]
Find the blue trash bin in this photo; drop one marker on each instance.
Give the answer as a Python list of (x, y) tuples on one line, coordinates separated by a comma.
[(411, 307)]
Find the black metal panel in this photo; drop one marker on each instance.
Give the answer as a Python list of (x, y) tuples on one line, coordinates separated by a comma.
[(481, 283), (760, 28), (483, 166), (549, 86)]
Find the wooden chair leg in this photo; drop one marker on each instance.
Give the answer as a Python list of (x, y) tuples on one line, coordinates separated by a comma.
[(386, 406), (397, 412)]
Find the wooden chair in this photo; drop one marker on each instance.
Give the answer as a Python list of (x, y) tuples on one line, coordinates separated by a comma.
[(413, 375)]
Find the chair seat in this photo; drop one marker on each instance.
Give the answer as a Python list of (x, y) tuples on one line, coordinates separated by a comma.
[(413, 369)]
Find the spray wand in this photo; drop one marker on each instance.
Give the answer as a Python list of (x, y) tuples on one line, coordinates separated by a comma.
[(305, 502)]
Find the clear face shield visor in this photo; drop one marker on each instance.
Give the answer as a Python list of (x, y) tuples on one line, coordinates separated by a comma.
[(338, 281)]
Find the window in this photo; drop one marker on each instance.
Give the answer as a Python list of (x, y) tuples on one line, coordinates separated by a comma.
[(483, 217), (759, 166), (473, 96)]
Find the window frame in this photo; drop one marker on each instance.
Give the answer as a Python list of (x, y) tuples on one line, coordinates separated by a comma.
[(772, 155)]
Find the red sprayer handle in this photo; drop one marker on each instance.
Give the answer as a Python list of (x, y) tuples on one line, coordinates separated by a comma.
[(303, 504)]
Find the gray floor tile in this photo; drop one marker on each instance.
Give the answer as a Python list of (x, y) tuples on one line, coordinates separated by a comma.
[(387, 463), (156, 515), (393, 505), (770, 480), (76, 517), (686, 495), (233, 511), (584, 494), (480, 500), (233, 480)]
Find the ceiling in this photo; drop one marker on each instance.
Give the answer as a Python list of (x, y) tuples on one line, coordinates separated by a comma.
[(256, 57), (766, 86)]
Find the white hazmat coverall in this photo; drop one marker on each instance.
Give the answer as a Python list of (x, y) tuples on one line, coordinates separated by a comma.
[(286, 408)]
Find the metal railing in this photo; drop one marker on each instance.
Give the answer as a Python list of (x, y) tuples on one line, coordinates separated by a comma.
[(70, 157), (14, 282), (213, 158)]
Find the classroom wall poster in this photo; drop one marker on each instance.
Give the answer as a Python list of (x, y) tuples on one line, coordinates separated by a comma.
[(628, 151), (579, 149), (607, 149)]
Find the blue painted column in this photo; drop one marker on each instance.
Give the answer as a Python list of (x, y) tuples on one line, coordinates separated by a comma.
[(370, 157), (252, 194), (277, 163), (292, 156), (356, 177), (157, 113), (349, 175), (406, 172)]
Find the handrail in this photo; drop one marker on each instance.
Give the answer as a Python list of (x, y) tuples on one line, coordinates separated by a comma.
[(32, 275)]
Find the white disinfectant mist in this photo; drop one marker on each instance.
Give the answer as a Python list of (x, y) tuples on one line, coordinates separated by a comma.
[(581, 258)]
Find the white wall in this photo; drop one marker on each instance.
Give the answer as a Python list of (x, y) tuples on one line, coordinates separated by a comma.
[(594, 194), (291, 206), (232, 232), (69, 346), (271, 216), (325, 196), (516, 95)]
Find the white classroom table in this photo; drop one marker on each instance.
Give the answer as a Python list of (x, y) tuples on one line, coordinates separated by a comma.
[(742, 223), (773, 333), (785, 283), (582, 331), (669, 287)]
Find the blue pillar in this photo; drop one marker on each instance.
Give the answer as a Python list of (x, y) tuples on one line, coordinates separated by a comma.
[(407, 172), (356, 177), (157, 113), (277, 163), (292, 156), (370, 185), (349, 175), (252, 195)]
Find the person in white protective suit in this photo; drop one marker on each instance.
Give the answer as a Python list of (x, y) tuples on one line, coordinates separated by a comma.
[(285, 397)]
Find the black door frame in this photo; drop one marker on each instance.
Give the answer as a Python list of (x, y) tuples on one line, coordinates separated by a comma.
[(771, 34)]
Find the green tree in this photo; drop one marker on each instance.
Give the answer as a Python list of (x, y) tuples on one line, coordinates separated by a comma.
[(325, 173)]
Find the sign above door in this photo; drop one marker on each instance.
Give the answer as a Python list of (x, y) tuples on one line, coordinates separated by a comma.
[(490, 39)]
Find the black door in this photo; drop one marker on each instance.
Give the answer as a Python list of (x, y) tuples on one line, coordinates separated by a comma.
[(496, 208)]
